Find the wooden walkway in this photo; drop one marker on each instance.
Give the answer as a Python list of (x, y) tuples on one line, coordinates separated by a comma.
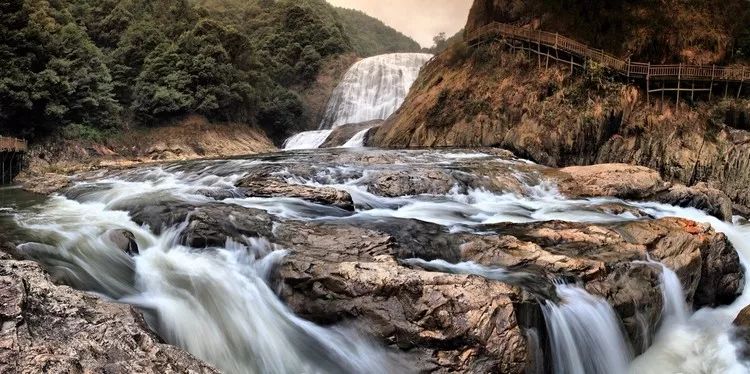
[(12, 145), (554, 43), (11, 158)]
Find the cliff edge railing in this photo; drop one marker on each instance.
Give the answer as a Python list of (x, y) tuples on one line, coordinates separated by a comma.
[(629, 69), (11, 157), (14, 145)]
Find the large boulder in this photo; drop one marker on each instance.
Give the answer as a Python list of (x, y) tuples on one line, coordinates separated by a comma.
[(339, 272), (640, 183)]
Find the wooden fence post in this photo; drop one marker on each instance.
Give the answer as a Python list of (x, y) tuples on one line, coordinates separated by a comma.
[(648, 84), (628, 67), (679, 81), (711, 88), (742, 80)]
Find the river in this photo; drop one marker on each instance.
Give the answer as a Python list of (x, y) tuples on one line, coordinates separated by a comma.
[(221, 305)]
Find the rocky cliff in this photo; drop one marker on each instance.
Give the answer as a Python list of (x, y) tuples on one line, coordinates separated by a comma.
[(490, 96)]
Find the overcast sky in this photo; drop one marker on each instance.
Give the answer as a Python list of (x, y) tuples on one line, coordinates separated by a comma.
[(419, 19)]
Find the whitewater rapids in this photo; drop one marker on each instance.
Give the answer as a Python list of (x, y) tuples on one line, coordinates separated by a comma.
[(219, 303)]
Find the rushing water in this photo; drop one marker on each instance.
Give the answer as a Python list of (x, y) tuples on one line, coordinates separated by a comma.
[(218, 302), (307, 140), (585, 335), (358, 140), (373, 88)]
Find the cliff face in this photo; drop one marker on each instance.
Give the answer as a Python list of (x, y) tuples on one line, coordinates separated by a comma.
[(700, 31), (492, 97)]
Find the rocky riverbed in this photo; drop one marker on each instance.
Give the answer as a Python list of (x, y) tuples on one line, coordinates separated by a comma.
[(364, 260)]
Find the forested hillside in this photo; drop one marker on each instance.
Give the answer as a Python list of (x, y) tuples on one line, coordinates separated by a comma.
[(89, 67), (369, 36)]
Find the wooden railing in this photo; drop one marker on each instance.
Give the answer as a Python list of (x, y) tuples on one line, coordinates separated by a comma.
[(12, 144), (625, 67)]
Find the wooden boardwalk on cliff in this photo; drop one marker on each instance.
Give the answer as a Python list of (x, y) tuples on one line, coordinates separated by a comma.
[(554, 43), (12, 145), (11, 157)]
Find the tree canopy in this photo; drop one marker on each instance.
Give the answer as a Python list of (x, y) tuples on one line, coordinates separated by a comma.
[(106, 64)]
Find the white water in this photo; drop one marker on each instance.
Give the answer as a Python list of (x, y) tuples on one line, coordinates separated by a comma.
[(468, 267), (357, 141), (215, 302), (675, 308), (373, 88), (585, 334), (228, 289), (307, 139)]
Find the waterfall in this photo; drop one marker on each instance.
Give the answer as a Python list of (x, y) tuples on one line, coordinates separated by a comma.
[(373, 88), (357, 141), (675, 308), (585, 335), (307, 140)]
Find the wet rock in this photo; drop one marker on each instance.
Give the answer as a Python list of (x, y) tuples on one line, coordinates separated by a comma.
[(123, 239), (211, 225), (742, 331), (56, 329), (452, 322), (341, 134), (616, 180), (394, 183), (275, 188), (722, 275), (700, 196)]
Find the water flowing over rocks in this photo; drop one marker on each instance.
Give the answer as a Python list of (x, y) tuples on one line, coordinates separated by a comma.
[(373, 88), (56, 329), (370, 91), (340, 135), (448, 259)]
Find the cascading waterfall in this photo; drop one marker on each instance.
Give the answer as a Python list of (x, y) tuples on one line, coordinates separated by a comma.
[(307, 140), (373, 88), (585, 335), (675, 308), (358, 140)]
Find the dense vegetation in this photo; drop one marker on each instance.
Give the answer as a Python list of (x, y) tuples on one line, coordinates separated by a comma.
[(87, 67), (370, 36)]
